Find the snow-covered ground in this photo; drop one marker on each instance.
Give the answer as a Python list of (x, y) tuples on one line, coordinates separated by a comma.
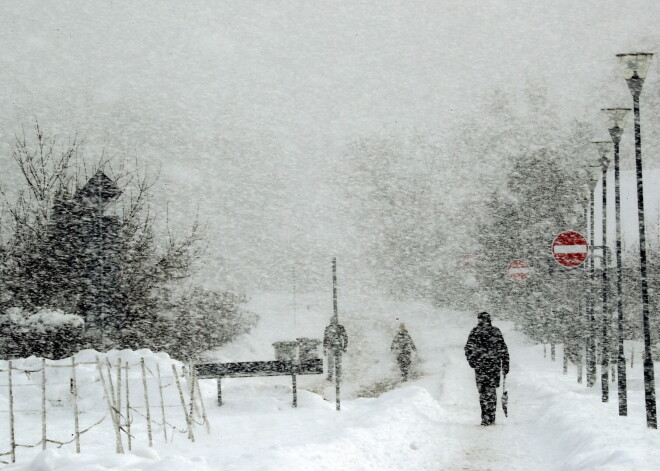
[(430, 423)]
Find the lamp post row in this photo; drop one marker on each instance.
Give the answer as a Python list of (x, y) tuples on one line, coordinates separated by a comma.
[(635, 67)]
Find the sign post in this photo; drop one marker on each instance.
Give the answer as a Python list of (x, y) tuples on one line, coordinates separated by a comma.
[(606, 256), (570, 249), (335, 340)]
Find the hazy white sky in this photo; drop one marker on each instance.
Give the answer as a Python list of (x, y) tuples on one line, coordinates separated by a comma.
[(189, 86)]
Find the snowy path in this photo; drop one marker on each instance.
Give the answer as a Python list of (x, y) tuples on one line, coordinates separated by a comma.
[(506, 446), (431, 423)]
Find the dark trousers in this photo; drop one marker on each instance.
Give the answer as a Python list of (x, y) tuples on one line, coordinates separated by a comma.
[(334, 364), (404, 365), (488, 402)]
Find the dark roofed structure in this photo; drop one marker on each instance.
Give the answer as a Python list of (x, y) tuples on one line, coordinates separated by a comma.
[(98, 191)]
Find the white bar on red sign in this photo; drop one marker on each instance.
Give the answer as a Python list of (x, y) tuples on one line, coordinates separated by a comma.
[(515, 271), (569, 249)]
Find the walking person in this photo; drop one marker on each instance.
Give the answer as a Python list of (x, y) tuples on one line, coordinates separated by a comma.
[(403, 347), (487, 353), (335, 342)]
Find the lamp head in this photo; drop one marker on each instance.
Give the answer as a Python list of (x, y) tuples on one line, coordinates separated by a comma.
[(635, 64), (605, 149), (615, 119), (595, 172)]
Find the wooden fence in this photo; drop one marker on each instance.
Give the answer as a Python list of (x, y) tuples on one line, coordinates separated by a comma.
[(128, 392)]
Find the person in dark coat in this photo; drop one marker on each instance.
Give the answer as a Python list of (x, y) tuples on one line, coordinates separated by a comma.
[(403, 347), (335, 342), (487, 353)]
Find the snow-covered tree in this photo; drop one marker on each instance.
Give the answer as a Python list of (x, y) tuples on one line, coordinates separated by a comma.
[(48, 260)]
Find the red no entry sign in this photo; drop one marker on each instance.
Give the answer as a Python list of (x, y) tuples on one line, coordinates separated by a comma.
[(518, 270), (570, 249)]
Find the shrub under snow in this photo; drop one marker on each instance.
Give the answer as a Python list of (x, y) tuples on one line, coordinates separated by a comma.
[(47, 333)]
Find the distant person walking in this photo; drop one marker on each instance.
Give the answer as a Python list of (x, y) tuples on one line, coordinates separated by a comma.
[(487, 353), (403, 347), (335, 341)]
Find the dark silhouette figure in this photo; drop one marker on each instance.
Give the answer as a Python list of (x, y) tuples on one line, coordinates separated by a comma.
[(487, 353), (335, 341), (402, 347)]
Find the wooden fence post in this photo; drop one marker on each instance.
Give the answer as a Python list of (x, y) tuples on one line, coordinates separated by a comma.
[(146, 400), (74, 395), (162, 403), (113, 412), (111, 385), (128, 411), (191, 434), (193, 409), (201, 401), (44, 440), (119, 384), (12, 438)]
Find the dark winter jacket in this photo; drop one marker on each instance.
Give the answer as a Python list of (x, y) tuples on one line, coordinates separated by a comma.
[(335, 337), (487, 353), (403, 344)]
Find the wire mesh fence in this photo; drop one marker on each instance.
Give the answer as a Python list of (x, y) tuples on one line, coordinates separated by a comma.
[(57, 403)]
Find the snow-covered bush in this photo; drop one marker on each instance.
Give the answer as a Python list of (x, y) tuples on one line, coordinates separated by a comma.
[(46, 333)]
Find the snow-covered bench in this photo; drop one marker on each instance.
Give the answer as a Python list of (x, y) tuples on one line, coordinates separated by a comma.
[(248, 369)]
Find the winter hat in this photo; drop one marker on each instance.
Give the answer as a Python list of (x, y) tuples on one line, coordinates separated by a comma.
[(484, 316)]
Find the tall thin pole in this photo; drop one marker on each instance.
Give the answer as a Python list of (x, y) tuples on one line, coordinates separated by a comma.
[(294, 300), (604, 360), (335, 321), (621, 359), (649, 376), (335, 318), (581, 356), (591, 349)]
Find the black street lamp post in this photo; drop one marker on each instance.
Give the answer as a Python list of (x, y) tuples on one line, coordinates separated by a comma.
[(604, 149), (635, 66), (591, 298), (616, 118)]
